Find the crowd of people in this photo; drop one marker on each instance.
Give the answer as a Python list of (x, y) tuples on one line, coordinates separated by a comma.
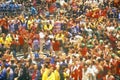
[(8, 7), (61, 40)]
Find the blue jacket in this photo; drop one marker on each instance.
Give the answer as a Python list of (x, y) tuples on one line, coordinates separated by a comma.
[(3, 75)]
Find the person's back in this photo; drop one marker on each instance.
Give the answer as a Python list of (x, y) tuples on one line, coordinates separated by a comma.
[(11, 74), (24, 74), (33, 11), (61, 75), (48, 44), (56, 45), (4, 74), (45, 74), (57, 75), (36, 44), (36, 55)]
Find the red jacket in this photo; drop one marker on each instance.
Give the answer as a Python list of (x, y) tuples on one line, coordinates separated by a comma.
[(56, 46), (80, 72), (74, 74), (84, 51), (21, 40)]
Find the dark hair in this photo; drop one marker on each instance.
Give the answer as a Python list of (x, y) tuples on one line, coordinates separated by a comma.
[(47, 64)]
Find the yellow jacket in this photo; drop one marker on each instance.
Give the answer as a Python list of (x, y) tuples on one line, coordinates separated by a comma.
[(30, 22), (48, 28), (60, 37), (1, 40), (65, 75), (45, 74), (57, 75), (52, 76), (8, 39)]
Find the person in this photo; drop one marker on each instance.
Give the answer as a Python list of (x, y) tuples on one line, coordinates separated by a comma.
[(33, 11), (48, 27), (24, 72), (36, 55), (81, 33), (20, 42), (56, 46), (85, 74), (46, 72), (36, 73), (35, 44), (51, 75), (10, 73), (109, 76), (56, 72), (47, 45), (42, 39), (4, 72)]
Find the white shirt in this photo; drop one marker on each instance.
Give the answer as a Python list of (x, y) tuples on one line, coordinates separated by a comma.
[(62, 2), (85, 75), (51, 36), (93, 71), (42, 35), (111, 28)]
